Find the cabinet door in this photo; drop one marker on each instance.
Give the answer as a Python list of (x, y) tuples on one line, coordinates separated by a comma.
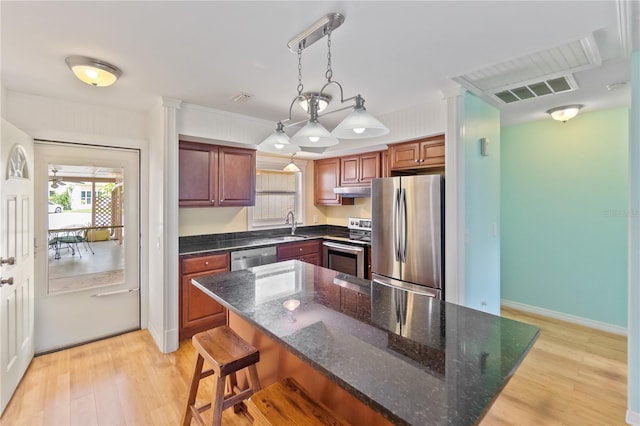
[(405, 155), (198, 311), (369, 167), (198, 174), (350, 171), (432, 153), (237, 171), (326, 177)]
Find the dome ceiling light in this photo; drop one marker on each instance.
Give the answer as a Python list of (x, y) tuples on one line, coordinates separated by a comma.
[(358, 124), (565, 112), (93, 71)]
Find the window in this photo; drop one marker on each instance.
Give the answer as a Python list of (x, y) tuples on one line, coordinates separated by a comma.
[(277, 193), (85, 197)]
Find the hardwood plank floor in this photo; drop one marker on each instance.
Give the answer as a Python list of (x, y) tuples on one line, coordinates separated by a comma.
[(574, 375)]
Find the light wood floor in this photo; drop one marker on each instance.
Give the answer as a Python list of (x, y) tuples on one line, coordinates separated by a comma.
[(573, 376)]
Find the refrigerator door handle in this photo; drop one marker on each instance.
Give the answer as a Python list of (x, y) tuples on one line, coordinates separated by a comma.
[(405, 230), (396, 234)]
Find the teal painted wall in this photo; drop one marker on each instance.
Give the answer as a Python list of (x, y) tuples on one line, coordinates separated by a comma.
[(482, 205), (564, 215)]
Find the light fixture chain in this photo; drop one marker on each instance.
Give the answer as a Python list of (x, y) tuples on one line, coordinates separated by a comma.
[(300, 85), (329, 73)]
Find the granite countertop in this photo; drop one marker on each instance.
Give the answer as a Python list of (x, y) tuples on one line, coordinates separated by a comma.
[(449, 375), (200, 244)]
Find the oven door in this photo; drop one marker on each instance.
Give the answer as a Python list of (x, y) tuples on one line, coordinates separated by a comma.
[(344, 258)]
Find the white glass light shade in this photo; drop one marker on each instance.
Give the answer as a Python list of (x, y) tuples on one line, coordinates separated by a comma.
[(278, 143), (313, 134), (93, 71), (291, 167), (359, 124), (564, 113)]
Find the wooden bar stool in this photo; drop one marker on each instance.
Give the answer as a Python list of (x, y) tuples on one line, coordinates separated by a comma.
[(226, 353)]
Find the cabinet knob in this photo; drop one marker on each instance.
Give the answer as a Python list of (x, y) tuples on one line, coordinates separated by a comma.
[(6, 281), (213, 201), (206, 263), (300, 248), (417, 160)]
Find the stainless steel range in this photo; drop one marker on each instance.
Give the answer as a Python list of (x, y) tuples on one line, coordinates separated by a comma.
[(349, 256)]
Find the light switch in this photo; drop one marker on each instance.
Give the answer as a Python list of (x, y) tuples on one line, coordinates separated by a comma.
[(484, 147)]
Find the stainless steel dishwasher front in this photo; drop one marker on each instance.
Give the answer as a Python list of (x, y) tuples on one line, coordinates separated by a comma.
[(243, 259)]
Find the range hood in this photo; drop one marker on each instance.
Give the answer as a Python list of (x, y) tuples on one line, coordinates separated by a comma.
[(353, 191)]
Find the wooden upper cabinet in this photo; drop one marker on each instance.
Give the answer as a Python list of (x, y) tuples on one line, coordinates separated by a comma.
[(237, 185), (198, 174), (418, 154), (358, 170), (327, 177), (216, 176)]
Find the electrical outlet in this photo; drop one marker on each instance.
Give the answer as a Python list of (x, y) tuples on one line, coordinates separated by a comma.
[(315, 218)]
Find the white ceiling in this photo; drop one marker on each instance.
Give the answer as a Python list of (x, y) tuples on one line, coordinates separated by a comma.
[(396, 54)]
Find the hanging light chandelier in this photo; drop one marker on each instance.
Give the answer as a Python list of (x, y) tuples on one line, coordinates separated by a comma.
[(358, 124)]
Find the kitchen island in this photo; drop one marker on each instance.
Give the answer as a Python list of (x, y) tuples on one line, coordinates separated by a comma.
[(448, 373)]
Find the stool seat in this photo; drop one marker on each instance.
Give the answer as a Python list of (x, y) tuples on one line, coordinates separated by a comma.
[(287, 403), (226, 353), (224, 350)]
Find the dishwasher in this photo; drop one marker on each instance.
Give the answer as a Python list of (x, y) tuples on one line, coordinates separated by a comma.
[(243, 259)]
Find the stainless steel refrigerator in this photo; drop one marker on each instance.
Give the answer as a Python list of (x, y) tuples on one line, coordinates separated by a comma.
[(407, 230), (406, 239)]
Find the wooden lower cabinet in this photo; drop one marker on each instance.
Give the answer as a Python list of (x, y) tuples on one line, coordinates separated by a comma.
[(306, 251), (199, 312)]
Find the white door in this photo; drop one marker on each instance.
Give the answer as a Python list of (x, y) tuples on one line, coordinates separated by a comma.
[(16, 254), (90, 289)]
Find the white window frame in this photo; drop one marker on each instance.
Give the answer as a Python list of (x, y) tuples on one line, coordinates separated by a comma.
[(278, 163)]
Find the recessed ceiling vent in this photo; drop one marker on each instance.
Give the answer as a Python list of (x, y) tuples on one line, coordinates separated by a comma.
[(537, 74), (547, 87)]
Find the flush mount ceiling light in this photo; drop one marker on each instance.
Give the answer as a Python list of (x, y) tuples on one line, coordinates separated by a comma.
[(565, 112), (93, 71), (358, 124)]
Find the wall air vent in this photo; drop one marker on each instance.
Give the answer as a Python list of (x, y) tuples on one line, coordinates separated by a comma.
[(537, 74), (547, 87)]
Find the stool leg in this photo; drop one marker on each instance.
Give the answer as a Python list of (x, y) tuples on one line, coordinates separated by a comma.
[(193, 391), (233, 386), (254, 381), (218, 400)]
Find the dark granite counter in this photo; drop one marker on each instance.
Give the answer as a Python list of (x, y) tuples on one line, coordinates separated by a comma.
[(448, 375), (201, 244)]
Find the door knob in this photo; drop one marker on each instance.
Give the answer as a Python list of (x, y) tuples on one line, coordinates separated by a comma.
[(7, 281), (9, 261)]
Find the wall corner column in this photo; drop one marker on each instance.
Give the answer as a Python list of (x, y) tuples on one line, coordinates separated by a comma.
[(454, 245)]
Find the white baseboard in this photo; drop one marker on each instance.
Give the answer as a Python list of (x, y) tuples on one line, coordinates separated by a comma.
[(616, 329), (156, 337), (171, 341), (633, 418)]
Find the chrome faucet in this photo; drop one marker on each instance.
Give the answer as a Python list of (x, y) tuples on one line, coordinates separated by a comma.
[(293, 222)]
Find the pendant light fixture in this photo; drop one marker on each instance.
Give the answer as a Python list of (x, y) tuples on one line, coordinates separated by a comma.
[(93, 71), (358, 124), (291, 167)]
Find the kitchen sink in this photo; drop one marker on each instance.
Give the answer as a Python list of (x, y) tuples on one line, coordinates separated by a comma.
[(291, 238)]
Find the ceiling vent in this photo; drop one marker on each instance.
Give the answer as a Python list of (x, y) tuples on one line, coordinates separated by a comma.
[(547, 87), (537, 74)]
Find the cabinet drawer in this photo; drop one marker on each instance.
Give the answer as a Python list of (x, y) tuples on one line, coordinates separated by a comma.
[(205, 263), (298, 249)]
